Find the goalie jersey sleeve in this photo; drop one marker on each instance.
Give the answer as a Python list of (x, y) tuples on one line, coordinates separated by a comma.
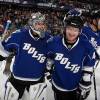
[(68, 63), (30, 55), (12, 42)]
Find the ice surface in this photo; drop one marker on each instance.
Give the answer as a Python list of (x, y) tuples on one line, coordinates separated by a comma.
[(49, 94)]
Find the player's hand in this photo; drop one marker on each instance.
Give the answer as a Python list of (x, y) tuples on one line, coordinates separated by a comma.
[(83, 91), (84, 86)]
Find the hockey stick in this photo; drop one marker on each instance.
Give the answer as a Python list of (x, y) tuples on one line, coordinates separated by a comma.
[(6, 28), (94, 80)]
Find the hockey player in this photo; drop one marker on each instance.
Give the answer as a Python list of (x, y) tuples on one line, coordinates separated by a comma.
[(73, 62), (92, 29), (29, 46)]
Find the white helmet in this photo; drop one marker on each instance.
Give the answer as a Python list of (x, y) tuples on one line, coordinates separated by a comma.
[(35, 18)]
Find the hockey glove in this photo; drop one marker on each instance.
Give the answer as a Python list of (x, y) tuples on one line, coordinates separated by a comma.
[(49, 69), (84, 86)]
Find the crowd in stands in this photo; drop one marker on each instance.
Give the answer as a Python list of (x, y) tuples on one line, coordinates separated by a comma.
[(20, 17)]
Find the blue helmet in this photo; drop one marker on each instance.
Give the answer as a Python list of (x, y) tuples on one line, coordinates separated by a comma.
[(95, 14), (74, 12), (73, 18)]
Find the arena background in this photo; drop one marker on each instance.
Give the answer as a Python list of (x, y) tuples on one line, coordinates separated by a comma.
[(19, 11)]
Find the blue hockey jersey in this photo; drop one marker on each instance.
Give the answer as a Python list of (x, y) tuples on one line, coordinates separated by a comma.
[(30, 55), (68, 63), (93, 37)]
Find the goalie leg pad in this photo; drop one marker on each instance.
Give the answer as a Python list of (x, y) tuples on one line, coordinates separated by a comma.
[(10, 92), (38, 91)]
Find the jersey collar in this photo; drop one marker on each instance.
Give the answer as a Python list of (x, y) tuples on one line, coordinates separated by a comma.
[(72, 46), (33, 36)]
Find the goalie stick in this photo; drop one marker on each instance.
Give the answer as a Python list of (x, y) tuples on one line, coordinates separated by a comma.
[(6, 28), (94, 79)]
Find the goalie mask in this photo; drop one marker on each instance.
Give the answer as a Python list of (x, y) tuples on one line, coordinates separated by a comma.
[(37, 24)]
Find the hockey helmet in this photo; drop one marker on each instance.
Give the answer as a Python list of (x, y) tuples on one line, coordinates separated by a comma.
[(74, 12), (95, 14), (74, 21)]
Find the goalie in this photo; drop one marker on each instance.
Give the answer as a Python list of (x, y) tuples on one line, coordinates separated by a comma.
[(29, 46)]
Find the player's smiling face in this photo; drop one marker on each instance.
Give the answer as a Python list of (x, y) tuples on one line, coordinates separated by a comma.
[(72, 33)]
